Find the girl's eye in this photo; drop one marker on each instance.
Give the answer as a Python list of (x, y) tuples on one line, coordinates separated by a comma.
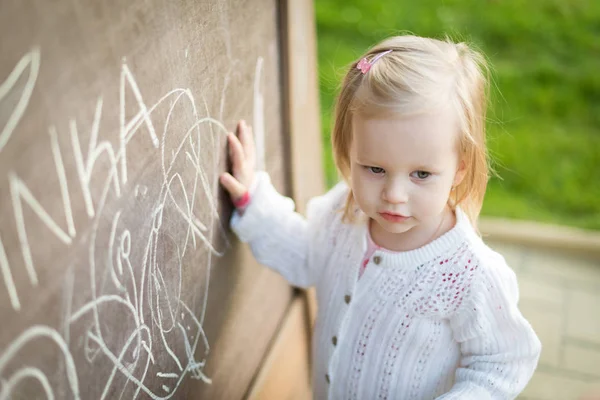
[(376, 170), (421, 174)]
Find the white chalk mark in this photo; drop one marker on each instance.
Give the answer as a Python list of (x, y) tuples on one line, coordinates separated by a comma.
[(206, 186), (133, 125), (68, 303), (140, 190), (259, 117), (93, 305), (194, 223), (95, 150), (36, 332), (192, 365), (62, 180), (113, 274), (92, 255), (156, 282), (167, 375), (104, 348), (81, 170), (124, 254), (145, 346), (167, 298), (8, 279), (31, 60), (148, 360), (225, 33), (166, 173), (146, 259), (22, 374), (95, 126), (200, 329), (89, 352), (166, 388), (170, 352), (19, 191), (127, 374), (143, 113)]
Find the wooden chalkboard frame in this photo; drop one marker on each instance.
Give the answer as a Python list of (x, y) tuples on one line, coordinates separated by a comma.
[(285, 373)]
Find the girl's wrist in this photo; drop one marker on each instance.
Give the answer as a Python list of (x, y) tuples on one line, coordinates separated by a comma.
[(243, 201)]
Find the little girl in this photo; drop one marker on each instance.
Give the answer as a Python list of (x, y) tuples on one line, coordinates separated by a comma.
[(412, 303)]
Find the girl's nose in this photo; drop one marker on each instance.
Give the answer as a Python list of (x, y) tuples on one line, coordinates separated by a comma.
[(396, 192)]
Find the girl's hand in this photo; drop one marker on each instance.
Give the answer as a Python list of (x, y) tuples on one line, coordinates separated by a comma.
[(242, 154)]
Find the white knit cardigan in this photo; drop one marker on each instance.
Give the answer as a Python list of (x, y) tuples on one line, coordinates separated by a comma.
[(438, 322)]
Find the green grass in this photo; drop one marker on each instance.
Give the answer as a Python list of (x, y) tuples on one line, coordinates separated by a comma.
[(544, 119)]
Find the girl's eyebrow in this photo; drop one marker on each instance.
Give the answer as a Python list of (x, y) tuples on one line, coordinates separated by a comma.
[(420, 167), (365, 161), (429, 168), (424, 168)]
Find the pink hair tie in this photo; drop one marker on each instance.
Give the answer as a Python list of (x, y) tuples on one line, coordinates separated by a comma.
[(365, 65), (242, 201)]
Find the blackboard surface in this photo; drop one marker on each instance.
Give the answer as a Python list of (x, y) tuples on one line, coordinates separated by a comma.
[(118, 275)]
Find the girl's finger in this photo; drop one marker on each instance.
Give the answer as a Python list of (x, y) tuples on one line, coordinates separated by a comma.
[(246, 137), (238, 157), (233, 186)]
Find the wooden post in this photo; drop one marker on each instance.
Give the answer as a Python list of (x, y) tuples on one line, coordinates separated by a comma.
[(285, 373)]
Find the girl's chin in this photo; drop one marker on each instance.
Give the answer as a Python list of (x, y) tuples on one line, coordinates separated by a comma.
[(395, 227)]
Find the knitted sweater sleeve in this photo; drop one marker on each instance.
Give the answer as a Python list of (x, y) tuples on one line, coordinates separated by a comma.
[(499, 348), (279, 237)]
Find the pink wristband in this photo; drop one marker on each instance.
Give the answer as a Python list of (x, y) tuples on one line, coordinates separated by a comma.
[(242, 201)]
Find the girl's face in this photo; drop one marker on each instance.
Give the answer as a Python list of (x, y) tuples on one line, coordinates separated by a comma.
[(402, 171)]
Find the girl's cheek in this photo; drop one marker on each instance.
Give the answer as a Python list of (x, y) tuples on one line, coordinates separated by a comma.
[(367, 184), (363, 187)]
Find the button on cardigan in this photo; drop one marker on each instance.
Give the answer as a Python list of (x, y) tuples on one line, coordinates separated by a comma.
[(438, 322)]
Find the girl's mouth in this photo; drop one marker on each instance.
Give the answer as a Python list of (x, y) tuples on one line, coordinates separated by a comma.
[(393, 217)]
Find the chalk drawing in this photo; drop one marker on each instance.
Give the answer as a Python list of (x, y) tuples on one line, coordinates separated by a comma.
[(8, 279), (37, 333), (19, 191), (62, 178), (160, 335), (30, 63), (166, 375)]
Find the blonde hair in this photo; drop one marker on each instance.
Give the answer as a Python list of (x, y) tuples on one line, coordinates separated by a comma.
[(420, 74)]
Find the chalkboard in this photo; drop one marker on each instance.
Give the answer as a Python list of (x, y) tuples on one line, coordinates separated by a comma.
[(119, 277)]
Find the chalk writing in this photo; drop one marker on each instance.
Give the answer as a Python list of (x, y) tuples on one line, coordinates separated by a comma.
[(126, 262), (29, 64)]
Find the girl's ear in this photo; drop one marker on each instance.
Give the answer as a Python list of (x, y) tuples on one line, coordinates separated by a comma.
[(461, 171)]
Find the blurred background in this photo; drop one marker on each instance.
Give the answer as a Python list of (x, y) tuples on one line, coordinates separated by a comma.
[(544, 119)]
